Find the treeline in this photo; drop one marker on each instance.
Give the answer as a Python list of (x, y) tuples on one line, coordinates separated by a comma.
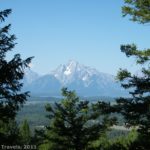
[(76, 124), (35, 112)]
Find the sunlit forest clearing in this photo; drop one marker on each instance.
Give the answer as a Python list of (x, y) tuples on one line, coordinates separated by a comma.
[(75, 107)]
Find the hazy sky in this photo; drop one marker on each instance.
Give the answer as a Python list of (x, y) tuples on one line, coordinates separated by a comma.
[(88, 31)]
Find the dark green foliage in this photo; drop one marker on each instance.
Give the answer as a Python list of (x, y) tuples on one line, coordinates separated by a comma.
[(25, 133), (142, 56), (123, 142), (74, 124), (138, 9), (11, 73), (34, 111), (136, 109), (119, 142), (9, 133)]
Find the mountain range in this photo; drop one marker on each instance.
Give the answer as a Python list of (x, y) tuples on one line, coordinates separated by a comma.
[(86, 81)]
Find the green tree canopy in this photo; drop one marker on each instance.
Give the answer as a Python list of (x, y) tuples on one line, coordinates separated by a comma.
[(136, 109), (139, 10), (11, 74), (74, 124), (25, 132)]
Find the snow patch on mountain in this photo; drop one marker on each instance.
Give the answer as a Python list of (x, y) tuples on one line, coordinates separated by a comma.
[(85, 80)]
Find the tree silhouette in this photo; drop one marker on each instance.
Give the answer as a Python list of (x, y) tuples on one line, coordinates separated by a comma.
[(11, 74), (136, 109), (74, 124)]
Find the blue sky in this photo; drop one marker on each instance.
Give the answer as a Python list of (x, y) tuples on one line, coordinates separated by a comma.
[(88, 31)]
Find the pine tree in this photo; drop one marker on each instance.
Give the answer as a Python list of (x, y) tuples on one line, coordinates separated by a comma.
[(74, 124), (9, 133), (25, 132), (136, 109), (138, 10), (11, 74)]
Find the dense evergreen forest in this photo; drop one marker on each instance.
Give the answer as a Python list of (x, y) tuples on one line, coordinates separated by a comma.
[(72, 123)]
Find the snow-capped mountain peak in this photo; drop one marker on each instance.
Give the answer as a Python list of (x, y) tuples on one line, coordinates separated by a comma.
[(84, 80), (70, 67), (67, 71), (73, 71)]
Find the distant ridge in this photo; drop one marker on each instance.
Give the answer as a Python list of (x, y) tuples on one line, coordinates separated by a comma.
[(86, 81)]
